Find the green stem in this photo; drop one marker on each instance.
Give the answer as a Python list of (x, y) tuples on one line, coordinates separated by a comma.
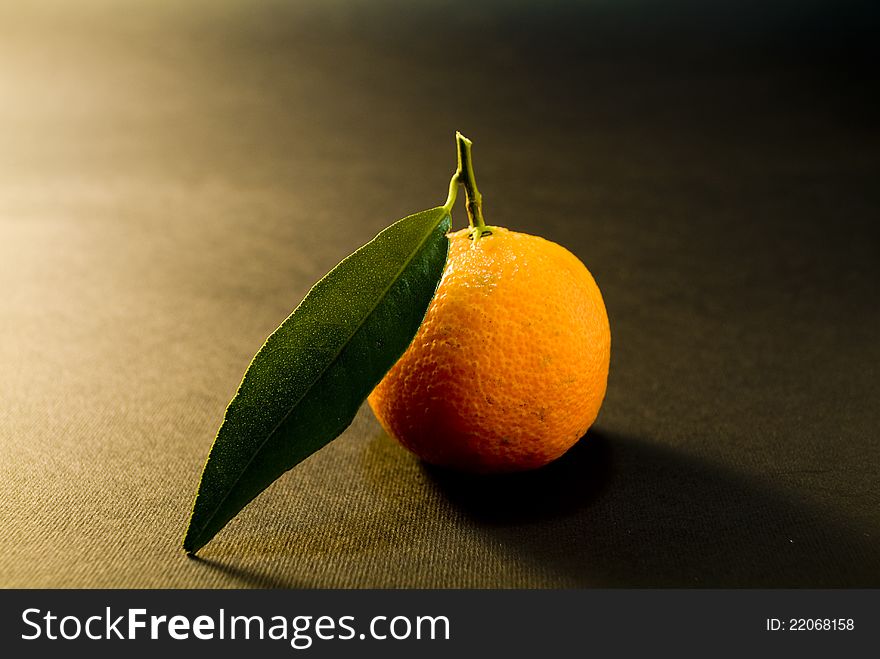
[(453, 191), (465, 175)]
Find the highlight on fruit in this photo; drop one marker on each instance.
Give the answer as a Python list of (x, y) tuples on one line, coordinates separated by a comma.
[(484, 350)]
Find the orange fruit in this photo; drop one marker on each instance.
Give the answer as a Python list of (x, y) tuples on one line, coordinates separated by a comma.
[(509, 367)]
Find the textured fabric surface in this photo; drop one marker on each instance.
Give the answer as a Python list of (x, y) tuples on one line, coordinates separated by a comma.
[(174, 177)]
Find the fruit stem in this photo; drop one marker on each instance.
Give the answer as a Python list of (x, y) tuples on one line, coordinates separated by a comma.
[(465, 175)]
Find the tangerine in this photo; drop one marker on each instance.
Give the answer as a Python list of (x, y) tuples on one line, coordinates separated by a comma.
[(509, 367)]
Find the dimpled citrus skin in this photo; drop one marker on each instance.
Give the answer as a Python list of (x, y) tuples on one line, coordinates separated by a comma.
[(509, 368)]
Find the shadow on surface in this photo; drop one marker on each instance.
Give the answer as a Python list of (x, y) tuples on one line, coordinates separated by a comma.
[(619, 511), (245, 577), (561, 488)]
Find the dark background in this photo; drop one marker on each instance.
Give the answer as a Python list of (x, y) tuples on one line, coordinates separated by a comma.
[(175, 176)]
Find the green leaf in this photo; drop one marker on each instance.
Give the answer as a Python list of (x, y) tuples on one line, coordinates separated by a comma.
[(307, 382)]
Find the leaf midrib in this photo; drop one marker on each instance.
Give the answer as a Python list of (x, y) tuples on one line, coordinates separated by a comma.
[(315, 380)]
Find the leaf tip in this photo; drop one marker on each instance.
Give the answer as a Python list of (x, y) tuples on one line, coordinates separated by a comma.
[(191, 543)]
